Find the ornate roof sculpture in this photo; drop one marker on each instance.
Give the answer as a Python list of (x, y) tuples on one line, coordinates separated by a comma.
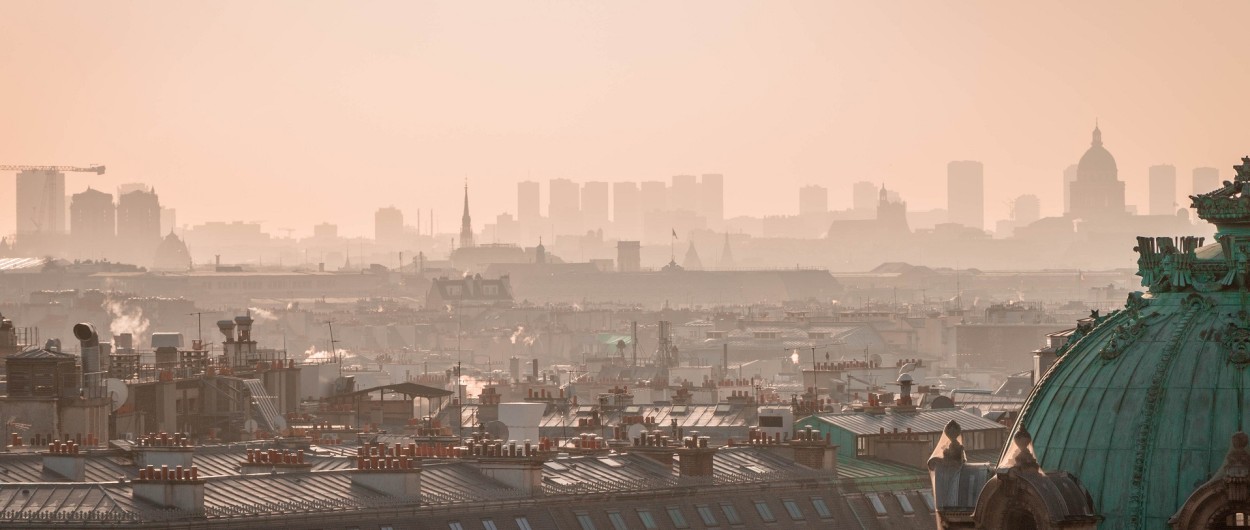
[(1141, 402)]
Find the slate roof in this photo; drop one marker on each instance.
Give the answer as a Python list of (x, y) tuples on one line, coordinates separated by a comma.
[(921, 421), (592, 487)]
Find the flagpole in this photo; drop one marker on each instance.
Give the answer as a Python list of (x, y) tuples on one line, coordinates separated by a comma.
[(672, 247)]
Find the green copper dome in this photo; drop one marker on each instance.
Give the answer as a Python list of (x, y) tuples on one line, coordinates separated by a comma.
[(1141, 403)]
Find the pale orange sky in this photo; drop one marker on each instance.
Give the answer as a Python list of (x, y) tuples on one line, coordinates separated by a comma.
[(293, 113)]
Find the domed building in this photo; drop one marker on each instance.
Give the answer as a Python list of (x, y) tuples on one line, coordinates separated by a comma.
[(172, 255), (1097, 190), (1138, 422)]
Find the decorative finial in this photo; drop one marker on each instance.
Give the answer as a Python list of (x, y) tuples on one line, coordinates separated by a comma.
[(1024, 453), (1243, 169)]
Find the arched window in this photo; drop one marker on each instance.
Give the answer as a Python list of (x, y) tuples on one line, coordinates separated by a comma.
[(1019, 518), (1231, 517)]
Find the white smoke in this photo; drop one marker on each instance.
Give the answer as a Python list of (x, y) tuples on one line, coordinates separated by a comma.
[(794, 357), (126, 318), (262, 315), (520, 330)]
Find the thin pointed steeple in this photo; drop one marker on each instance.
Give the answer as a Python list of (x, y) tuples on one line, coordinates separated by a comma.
[(692, 261), (726, 256), (466, 223)]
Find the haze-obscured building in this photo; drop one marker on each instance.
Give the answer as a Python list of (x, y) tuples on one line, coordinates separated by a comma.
[(1097, 190), (1162, 190), (965, 193), (813, 200), (40, 202), (388, 225)]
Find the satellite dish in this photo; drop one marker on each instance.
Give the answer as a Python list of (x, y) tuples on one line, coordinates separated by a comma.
[(635, 431), (497, 430), (876, 358), (249, 426), (117, 392), (907, 368)]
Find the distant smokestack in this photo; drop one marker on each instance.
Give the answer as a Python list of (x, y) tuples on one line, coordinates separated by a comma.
[(535, 370)]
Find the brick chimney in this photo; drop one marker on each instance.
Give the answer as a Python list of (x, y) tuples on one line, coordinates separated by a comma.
[(654, 445), (164, 449), (178, 488), (814, 451), (519, 466), (696, 459), (394, 472), (64, 459), (274, 461)]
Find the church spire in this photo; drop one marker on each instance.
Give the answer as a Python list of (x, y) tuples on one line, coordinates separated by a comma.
[(1097, 134), (466, 224)]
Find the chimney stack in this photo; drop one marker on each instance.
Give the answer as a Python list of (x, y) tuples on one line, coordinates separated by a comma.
[(175, 488), (64, 459), (814, 451), (274, 461), (392, 471), (157, 450), (696, 459), (519, 466)]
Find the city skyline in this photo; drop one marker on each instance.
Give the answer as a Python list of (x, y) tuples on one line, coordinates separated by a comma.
[(379, 106)]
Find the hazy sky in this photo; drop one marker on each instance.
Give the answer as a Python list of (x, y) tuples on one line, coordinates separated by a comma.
[(293, 113)]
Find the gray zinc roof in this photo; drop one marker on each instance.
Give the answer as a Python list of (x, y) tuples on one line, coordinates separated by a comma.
[(921, 421)]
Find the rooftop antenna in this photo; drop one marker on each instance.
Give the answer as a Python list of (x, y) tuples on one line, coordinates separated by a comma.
[(199, 327), (334, 351)]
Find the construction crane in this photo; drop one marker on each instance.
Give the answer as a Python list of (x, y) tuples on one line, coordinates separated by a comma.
[(99, 170)]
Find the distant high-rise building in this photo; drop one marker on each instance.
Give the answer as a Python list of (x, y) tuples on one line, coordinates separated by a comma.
[(138, 225), (864, 197), (595, 207), (564, 206), (388, 225), (1069, 176), (684, 194), (813, 200), (92, 223), (891, 212), (326, 231), (626, 209), (169, 220), (1026, 209), (131, 186), (628, 256), (1097, 191), (1162, 190), (965, 193), (40, 202), (1206, 179), (92, 214), (712, 198), (466, 222), (527, 199), (654, 196)]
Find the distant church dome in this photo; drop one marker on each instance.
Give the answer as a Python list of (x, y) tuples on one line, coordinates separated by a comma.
[(172, 255), (1097, 164)]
